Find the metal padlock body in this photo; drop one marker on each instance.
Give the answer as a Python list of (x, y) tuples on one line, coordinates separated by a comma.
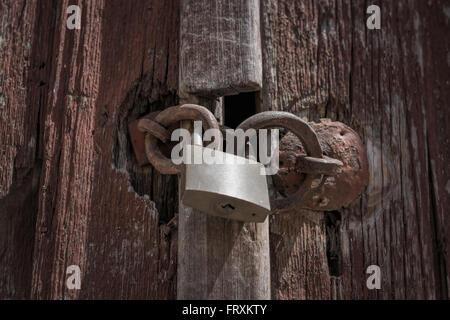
[(229, 190)]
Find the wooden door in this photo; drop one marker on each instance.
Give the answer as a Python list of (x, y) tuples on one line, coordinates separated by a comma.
[(72, 193)]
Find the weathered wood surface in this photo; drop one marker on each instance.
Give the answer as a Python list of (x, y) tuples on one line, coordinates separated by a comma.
[(92, 211), (222, 259), (20, 101), (391, 85), (220, 49), (72, 193)]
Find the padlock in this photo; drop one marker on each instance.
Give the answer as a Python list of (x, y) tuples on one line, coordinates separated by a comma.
[(241, 192), (234, 189)]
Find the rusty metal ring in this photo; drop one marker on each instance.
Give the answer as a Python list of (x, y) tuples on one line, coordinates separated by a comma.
[(306, 135), (167, 117), (149, 126)]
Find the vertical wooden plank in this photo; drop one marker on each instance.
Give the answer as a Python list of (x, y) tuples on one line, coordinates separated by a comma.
[(22, 84), (73, 102), (96, 206), (320, 60), (220, 258), (297, 240), (220, 49), (220, 54), (436, 60)]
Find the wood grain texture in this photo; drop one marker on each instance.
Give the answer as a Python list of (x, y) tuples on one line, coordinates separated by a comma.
[(391, 85), (221, 258), (298, 258), (220, 49), (90, 211), (71, 191), (20, 102)]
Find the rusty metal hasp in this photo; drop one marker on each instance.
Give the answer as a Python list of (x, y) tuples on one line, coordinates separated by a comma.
[(317, 162)]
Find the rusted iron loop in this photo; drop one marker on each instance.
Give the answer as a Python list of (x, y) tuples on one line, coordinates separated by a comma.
[(289, 121), (168, 117), (154, 128), (307, 136)]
